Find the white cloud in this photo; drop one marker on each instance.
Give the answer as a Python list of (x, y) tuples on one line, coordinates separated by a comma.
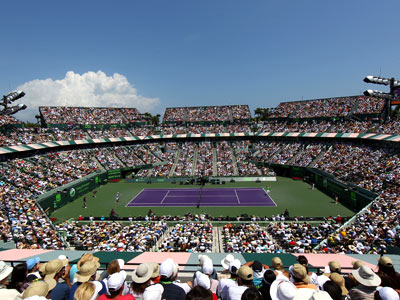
[(89, 89)]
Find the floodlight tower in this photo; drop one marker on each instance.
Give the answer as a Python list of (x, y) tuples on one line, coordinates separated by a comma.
[(10, 98), (392, 98)]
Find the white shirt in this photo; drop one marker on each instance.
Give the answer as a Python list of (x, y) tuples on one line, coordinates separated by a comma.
[(222, 289), (235, 292)]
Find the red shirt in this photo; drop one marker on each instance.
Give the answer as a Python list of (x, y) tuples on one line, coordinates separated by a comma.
[(126, 297)]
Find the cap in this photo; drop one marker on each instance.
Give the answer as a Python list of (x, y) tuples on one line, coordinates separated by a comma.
[(153, 292), (357, 264), (156, 270), (245, 273), (30, 263), (334, 266), (385, 261), (276, 262), (203, 280), (234, 266), (387, 293), (299, 271), (208, 267), (167, 268), (115, 281)]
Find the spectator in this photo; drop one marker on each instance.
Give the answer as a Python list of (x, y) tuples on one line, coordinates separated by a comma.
[(334, 290), (387, 273), (171, 290), (199, 293), (244, 281), (33, 265), (225, 283), (18, 278), (251, 293), (339, 280), (141, 279), (367, 280), (116, 285), (55, 270), (386, 293), (38, 289), (5, 292), (283, 290), (88, 291), (268, 279)]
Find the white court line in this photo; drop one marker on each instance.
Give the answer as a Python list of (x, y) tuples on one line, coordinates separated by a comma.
[(270, 197), (166, 195), (237, 197), (202, 196), (133, 200)]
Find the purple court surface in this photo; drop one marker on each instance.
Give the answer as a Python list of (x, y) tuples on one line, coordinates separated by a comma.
[(203, 197)]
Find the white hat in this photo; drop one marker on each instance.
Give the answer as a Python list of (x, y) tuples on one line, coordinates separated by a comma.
[(98, 288), (121, 263), (202, 258), (116, 281), (304, 294), (227, 260), (153, 292), (5, 270), (203, 280), (167, 268), (235, 263), (366, 276), (142, 273), (387, 293), (320, 295), (282, 290), (208, 267)]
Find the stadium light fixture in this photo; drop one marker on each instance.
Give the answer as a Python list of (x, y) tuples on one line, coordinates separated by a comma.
[(8, 99), (379, 94), (13, 109)]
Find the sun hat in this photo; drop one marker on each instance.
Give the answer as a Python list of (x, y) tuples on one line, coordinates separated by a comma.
[(387, 293), (86, 258), (335, 277), (42, 269), (37, 288), (53, 267), (30, 263), (334, 266), (357, 264), (62, 257), (142, 273), (116, 281), (5, 270), (365, 276), (203, 280), (202, 258), (276, 262), (226, 261), (282, 290), (299, 271), (87, 270), (207, 267), (156, 270), (167, 268), (385, 261), (153, 292), (245, 273)]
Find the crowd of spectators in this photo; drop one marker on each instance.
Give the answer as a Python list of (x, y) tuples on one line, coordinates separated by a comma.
[(224, 160), (188, 237), (113, 236), (250, 280), (207, 113), (89, 115), (245, 238)]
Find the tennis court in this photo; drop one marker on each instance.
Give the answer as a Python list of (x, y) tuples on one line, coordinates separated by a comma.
[(202, 197)]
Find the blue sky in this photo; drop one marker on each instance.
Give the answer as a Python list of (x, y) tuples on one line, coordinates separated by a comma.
[(187, 53)]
